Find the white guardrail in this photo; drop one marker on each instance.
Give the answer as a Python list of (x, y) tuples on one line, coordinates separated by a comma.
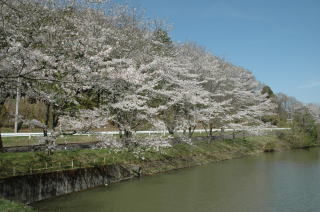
[(117, 132)]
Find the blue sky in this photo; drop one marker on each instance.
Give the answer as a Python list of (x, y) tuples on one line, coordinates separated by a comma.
[(278, 40)]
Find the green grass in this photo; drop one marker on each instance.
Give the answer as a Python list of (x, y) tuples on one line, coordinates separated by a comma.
[(26, 141), (35, 162), (8, 206), (202, 152)]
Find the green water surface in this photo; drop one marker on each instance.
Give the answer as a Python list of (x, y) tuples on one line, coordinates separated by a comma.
[(285, 181)]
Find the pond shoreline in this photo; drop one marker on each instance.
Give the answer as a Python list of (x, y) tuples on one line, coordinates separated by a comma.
[(36, 187)]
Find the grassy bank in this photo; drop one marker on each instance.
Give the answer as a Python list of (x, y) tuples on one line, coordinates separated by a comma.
[(8, 206), (202, 152), (151, 161), (27, 141)]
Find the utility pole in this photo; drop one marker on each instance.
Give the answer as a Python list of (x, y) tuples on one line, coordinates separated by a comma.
[(17, 107)]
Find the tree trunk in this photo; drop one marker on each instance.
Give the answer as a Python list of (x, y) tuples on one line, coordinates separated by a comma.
[(55, 118), (120, 131), (20, 123), (222, 133), (45, 131), (127, 133), (1, 120), (1, 145), (191, 131), (170, 130), (210, 130), (127, 137), (205, 128), (233, 134)]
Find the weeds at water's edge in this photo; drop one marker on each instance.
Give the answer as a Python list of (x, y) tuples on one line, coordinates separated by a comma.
[(6, 206)]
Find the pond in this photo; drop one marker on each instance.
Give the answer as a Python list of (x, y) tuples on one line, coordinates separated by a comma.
[(283, 181)]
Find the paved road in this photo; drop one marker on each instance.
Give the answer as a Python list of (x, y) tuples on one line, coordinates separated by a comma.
[(117, 132)]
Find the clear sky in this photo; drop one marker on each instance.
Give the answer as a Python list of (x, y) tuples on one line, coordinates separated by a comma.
[(278, 40)]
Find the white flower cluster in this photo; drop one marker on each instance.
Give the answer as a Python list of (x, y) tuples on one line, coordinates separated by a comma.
[(139, 153), (256, 130), (84, 121), (154, 143), (186, 139), (141, 146), (107, 142)]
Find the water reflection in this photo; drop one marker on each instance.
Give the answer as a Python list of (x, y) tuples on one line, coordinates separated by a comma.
[(286, 181)]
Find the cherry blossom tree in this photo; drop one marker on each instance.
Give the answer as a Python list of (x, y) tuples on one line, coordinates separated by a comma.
[(94, 63), (314, 111), (21, 63)]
